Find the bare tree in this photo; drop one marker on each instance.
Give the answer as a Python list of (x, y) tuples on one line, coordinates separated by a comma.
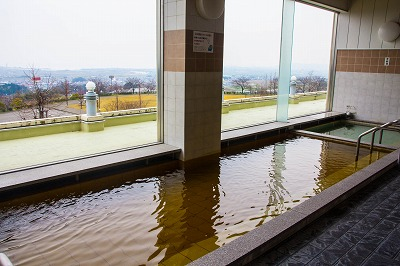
[(242, 82), (65, 86), (136, 83), (273, 83), (79, 93), (151, 85), (304, 83), (319, 83), (41, 93), (5, 103)]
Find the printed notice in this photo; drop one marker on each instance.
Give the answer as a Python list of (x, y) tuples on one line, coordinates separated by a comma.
[(203, 42)]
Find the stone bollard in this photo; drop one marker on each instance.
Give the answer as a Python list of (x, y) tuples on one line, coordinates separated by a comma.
[(92, 121)]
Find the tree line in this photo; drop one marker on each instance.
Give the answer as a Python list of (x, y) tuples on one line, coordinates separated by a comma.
[(269, 85)]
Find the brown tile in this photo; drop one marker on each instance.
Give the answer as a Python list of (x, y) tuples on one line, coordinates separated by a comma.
[(350, 68), (169, 64), (179, 51), (373, 69), (352, 53), (357, 68), (397, 69), (219, 63), (180, 65), (210, 65), (366, 61), (365, 69), (190, 65), (375, 61), (189, 51), (375, 53), (219, 52), (358, 61), (210, 55), (396, 61), (359, 53), (344, 60), (391, 69), (381, 69), (219, 39), (189, 36), (167, 37), (393, 52), (200, 65), (200, 55), (180, 36), (345, 53), (351, 61), (383, 53), (367, 53)]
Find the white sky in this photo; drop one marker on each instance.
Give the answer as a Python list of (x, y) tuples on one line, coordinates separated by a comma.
[(74, 34), (252, 33)]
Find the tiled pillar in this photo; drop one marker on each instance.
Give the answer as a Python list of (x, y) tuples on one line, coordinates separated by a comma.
[(192, 81)]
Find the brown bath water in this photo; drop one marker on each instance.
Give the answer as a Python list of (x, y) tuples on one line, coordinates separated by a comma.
[(170, 217)]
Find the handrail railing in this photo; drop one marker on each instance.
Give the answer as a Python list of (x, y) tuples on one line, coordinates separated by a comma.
[(373, 131)]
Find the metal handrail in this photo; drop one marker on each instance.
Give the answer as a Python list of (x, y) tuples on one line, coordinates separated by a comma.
[(373, 130)]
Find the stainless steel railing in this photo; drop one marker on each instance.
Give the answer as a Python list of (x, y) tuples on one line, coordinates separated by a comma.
[(373, 131)]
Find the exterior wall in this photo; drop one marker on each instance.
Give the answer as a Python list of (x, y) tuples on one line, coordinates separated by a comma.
[(192, 82), (363, 85)]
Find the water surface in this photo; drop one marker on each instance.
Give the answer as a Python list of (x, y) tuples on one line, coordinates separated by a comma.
[(158, 216)]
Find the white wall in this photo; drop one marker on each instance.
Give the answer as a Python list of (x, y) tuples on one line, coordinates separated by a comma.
[(358, 29)]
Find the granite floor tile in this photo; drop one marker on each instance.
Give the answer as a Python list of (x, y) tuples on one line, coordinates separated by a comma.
[(323, 241), (291, 262), (394, 216), (385, 226), (372, 240), (390, 246), (356, 256), (365, 230), (378, 260)]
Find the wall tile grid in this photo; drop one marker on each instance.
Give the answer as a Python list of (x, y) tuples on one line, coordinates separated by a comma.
[(368, 61), (367, 88), (179, 55), (369, 96)]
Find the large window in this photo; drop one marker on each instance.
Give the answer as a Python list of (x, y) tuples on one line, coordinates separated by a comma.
[(252, 63), (310, 59), (251, 60), (49, 51)]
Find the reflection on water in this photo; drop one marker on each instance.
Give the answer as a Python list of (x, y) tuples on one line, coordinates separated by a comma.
[(167, 214), (186, 214)]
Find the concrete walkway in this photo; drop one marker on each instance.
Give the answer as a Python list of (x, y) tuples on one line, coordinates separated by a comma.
[(45, 149), (365, 230)]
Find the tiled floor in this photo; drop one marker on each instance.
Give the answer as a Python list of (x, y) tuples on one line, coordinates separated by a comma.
[(365, 230)]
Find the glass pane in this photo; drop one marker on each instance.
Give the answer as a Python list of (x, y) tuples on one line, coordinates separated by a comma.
[(285, 59), (251, 60), (311, 59), (53, 49)]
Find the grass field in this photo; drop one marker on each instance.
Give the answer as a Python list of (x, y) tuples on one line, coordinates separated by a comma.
[(148, 100)]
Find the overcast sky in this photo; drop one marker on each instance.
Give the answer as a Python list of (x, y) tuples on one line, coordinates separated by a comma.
[(74, 34)]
